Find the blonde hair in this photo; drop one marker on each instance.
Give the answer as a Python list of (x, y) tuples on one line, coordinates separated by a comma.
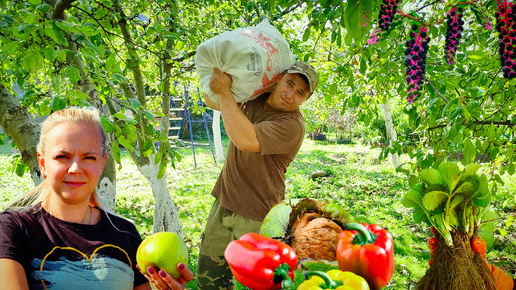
[(41, 193)]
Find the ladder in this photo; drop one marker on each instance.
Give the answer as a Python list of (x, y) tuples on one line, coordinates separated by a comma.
[(178, 108), (177, 112)]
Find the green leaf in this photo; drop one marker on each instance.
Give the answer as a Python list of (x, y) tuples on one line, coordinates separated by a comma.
[(107, 124), (126, 143), (431, 176), (116, 151), (57, 103), (119, 116), (450, 174), (111, 61), (59, 34), (44, 8), (73, 74), (486, 229), (363, 66), (33, 61), (491, 133), (352, 20), (306, 34), (420, 215), (21, 168), (433, 199), (148, 148), (162, 168), (413, 198), (482, 196), (135, 103), (467, 187), (455, 201), (470, 170), (470, 152), (50, 53)]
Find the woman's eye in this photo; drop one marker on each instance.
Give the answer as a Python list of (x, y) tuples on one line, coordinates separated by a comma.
[(60, 156), (91, 158)]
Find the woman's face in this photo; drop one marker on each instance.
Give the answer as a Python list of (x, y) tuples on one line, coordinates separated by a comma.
[(73, 161)]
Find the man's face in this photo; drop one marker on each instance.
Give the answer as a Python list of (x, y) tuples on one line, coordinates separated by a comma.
[(290, 92)]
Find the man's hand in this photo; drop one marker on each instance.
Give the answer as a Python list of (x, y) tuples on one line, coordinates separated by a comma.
[(220, 83), (238, 127)]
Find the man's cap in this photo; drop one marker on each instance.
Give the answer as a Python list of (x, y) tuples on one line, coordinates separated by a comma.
[(301, 67)]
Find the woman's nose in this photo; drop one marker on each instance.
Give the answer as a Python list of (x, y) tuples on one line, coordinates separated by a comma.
[(75, 167)]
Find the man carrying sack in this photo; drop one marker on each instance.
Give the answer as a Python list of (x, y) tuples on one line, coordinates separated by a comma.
[(266, 134)]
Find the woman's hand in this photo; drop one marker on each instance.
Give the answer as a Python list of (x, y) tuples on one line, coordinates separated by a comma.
[(162, 280)]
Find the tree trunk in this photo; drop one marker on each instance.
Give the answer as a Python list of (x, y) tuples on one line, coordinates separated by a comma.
[(391, 132), (23, 129), (106, 189), (166, 217)]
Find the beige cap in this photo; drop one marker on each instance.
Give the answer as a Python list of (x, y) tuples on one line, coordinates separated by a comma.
[(301, 67)]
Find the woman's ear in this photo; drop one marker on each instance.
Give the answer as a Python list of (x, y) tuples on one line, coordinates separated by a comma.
[(104, 161), (41, 163)]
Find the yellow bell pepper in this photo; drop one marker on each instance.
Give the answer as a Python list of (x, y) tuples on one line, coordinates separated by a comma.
[(333, 279)]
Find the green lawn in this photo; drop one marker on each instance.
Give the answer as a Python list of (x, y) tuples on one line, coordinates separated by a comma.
[(369, 189)]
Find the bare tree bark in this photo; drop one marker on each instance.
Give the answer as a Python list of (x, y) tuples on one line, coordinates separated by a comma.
[(391, 132), (22, 128), (166, 217), (106, 188)]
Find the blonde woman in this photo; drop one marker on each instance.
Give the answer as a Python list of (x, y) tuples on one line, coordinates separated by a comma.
[(58, 236)]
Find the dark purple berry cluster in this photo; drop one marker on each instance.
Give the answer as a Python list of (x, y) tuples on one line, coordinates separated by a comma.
[(415, 60), (387, 13), (453, 33), (506, 27)]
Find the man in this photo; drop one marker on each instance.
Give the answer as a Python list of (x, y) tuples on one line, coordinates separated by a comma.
[(266, 134)]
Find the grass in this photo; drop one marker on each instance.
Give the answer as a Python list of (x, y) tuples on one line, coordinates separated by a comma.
[(369, 189)]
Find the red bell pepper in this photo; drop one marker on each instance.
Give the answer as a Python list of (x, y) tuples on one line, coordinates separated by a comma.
[(259, 262), (368, 251)]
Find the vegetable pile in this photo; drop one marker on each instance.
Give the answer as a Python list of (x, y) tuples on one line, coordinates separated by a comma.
[(359, 256)]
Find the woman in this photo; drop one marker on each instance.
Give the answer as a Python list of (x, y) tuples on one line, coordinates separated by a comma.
[(58, 235)]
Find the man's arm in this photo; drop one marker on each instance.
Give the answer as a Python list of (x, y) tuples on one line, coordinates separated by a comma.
[(239, 129), (211, 104)]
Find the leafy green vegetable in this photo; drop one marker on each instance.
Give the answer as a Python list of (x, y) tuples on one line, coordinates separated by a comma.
[(453, 200)]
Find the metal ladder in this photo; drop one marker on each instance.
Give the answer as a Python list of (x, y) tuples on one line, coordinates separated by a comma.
[(176, 122)]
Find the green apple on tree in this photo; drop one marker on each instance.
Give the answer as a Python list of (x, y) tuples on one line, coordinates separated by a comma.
[(163, 250)]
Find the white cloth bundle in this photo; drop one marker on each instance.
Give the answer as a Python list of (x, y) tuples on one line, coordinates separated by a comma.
[(254, 56)]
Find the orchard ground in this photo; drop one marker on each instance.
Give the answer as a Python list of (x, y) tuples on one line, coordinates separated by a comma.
[(369, 189)]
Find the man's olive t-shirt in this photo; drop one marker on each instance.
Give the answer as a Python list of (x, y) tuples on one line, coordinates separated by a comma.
[(251, 183)]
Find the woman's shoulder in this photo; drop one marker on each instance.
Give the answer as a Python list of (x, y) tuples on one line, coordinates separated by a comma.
[(120, 222), (20, 218), (21, 213)]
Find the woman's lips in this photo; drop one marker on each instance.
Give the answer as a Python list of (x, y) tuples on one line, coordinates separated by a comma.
[(74, 183)]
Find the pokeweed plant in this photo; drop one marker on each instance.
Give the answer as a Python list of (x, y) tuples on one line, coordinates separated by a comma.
[(453, 200)]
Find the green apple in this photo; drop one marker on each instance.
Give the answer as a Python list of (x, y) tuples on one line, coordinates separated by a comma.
[(163, 250)]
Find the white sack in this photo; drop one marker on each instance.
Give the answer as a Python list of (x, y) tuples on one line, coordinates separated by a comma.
[(254, 56)]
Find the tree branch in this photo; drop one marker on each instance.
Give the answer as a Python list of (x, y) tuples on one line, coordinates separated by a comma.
[(435, 89)]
